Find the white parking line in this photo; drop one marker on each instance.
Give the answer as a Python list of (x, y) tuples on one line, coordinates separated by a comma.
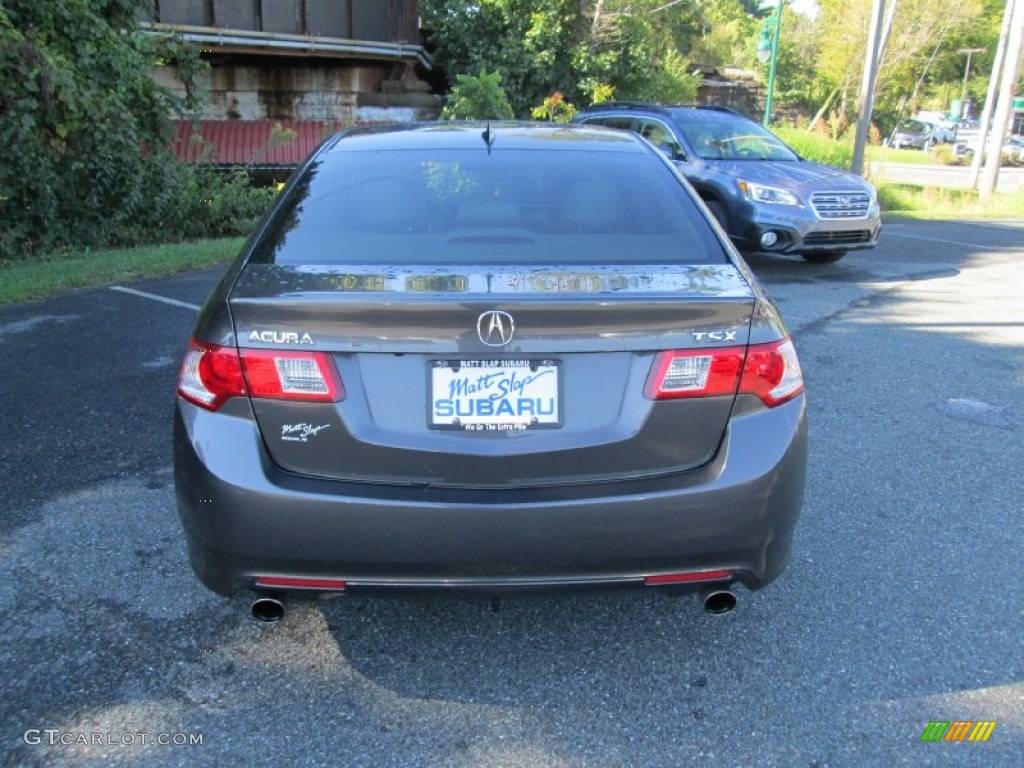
[(154, 297), (890, 233)]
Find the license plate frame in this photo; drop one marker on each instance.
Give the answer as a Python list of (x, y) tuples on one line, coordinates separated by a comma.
[(492, 379)]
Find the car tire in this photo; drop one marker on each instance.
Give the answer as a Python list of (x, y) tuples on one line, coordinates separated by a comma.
[(824, 257), (718, 211)]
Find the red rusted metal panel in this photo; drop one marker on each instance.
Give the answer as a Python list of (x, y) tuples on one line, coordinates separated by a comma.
[(248, 142)]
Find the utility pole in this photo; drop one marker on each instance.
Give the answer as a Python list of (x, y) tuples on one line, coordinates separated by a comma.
[(990, 96), (867, 86), (890, 14), (1004, 104)]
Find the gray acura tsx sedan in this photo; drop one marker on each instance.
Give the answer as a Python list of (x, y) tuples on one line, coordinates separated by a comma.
[(488, 356)]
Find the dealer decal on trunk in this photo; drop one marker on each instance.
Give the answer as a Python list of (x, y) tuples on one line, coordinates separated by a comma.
[(300, 433)]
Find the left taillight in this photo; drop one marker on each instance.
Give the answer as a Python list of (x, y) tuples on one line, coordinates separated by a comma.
[(212, 374)]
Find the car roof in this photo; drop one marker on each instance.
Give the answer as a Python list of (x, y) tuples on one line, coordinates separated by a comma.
[(683, 113), (461, 134)]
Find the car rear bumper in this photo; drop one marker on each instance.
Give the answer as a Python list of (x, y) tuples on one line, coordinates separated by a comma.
[(245, 518)]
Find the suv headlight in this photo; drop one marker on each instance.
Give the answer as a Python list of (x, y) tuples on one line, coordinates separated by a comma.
[(759, 193)]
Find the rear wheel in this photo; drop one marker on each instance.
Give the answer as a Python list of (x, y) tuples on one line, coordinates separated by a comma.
[(824, 257)]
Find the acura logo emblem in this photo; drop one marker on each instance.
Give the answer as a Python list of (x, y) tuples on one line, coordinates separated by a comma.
[(495, 328)]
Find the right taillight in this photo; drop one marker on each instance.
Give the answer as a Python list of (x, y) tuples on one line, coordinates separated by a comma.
[(212, 374), (772, 372)]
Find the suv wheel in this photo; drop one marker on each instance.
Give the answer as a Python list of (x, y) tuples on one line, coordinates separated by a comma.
[(718, 211), (824, 257)]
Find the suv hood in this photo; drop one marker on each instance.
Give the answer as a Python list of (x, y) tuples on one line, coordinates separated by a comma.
[(788, 174)]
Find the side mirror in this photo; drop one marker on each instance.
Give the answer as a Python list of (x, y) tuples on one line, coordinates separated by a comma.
[(672, 153)]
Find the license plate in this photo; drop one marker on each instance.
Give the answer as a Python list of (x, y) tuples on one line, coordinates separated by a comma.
[(495, 395)]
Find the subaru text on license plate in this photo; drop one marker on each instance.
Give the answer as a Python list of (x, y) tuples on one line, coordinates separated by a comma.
[(492, 395)]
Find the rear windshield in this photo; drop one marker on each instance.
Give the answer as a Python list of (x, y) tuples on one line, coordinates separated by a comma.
[(514, 206)]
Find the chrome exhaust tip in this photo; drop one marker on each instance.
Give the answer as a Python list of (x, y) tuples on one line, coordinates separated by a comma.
[(718, 601), (267, 609)]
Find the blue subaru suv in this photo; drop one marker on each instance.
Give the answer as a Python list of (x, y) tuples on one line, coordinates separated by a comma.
[(765, 196)]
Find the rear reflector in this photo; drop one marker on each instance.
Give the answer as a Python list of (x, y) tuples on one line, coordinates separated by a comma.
[(289, 583), (688, 576), (769, 371), (291, 375), (695, 373), (212, 374)]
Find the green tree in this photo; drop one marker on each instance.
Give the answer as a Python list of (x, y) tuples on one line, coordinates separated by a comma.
[(920, 66), (543, 46)]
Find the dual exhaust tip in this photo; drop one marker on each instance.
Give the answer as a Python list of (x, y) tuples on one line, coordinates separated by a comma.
[(715, 601), (718, 601), (267, 609)]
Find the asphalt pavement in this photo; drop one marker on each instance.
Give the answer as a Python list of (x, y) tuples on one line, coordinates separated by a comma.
[(1010, 179), (902, 606)]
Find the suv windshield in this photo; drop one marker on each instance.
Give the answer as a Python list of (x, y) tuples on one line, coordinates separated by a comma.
[(913, 126), (725, 139), (515, 206)]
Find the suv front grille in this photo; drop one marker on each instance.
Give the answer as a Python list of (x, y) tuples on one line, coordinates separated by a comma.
[(838, 238), (841, 205)]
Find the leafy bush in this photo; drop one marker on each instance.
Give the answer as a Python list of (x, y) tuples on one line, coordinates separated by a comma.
[(205, 202), (817, 147), (555, 108), (478, 98), (946, 154)]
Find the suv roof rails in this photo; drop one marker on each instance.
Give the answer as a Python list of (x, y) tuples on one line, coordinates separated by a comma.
[(661, 108), (627, 105), (716, 108)]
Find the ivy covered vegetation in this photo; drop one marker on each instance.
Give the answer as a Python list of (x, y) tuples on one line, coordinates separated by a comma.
[(85, 135)]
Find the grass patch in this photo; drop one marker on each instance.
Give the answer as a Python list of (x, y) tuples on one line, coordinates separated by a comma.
[(38, 278), (877, 154), (816, 147), (939, 203)]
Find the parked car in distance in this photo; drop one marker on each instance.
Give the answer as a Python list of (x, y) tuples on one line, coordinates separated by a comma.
[(917, 134), (943, 131), (1013, 147), (468, 356), (765, 196)]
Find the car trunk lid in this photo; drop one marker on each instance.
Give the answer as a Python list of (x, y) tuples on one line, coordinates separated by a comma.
[(405, 338)]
